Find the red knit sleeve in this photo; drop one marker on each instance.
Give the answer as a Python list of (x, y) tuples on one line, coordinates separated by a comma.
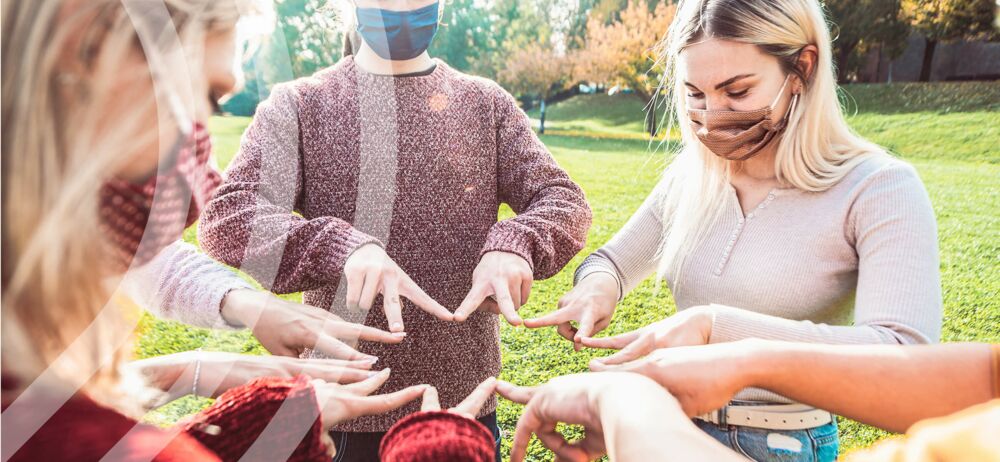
[(267, 419), (436, 436), (552, 212), (252, 223)]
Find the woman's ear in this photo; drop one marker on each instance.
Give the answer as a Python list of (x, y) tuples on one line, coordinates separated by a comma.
[(807, 62)]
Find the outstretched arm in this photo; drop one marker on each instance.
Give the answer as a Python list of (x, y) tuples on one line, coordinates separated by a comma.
[(888, 386)]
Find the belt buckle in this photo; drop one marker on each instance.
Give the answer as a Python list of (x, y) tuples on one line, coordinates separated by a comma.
[(721, 417)]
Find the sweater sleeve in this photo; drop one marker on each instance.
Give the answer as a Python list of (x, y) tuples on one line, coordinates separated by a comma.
[(898, 299), (552, 213), (269, 418), (184, 285), (630, 255), (251, 221)]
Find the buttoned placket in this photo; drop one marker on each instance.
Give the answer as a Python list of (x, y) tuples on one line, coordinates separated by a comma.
[(738, 229)]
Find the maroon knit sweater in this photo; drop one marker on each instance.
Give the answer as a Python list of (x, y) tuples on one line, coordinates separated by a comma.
[(419, 165)]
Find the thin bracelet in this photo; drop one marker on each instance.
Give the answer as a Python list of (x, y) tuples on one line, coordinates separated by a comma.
[(197, 373)]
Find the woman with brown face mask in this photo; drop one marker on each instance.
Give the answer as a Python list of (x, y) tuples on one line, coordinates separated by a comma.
[(773, 221), (105, 162)]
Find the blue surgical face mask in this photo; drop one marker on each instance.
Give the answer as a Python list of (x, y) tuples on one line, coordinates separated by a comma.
[(398, 35)]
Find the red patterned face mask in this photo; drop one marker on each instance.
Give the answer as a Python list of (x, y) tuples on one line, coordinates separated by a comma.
[(140, 219)]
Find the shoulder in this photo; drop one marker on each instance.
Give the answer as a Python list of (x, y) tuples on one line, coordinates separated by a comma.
[(881, 176), (304, 89), (475, 85), (879, 168)]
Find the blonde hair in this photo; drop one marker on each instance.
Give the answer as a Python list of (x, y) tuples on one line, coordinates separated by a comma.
[(817, 147), (64, 129)]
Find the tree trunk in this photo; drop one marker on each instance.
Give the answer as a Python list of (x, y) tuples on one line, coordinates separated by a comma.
[(928, 64), (649, 123), (541, 123), (651, 126), (843, 55)]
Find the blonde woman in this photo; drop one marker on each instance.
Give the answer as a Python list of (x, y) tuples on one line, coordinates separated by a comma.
[(774, 221), (86, 195)]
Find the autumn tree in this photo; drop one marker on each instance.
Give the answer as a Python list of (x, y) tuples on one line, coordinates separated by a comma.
[(948, 20), (621, 51), (539, 71), (863, 25)]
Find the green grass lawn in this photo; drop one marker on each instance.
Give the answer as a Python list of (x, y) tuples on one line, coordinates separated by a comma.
[(948, 131)]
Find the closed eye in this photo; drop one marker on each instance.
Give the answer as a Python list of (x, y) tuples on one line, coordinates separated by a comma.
[(738, 94)]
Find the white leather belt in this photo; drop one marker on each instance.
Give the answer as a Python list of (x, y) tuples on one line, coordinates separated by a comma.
[(770, 417)]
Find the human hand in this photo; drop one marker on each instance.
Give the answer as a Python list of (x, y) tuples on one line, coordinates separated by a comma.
[(287, 328), (370, 271), (702, 378), (600, 402), (591, 303), (469, 407), (341, 403), (505, 276), (217, 372), (692, 326)]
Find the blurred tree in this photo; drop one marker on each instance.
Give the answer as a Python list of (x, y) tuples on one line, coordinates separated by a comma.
[(579, 12), (621, 52), (539, 71), (863, 25), (464, 35), (515, 24), (311, 39), (948, 20), (306, 38)]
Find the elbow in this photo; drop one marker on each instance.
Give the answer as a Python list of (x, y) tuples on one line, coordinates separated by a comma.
[(219, 242), (902, 334)]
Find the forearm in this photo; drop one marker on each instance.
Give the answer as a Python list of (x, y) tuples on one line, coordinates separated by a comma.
[(169, 373), (553, 216), (733, 323), (890, 387), (629, 255), (185, 285), (284, 252), (646, 423)]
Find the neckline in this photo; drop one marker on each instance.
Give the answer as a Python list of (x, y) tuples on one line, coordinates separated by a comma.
[(435, 74), (745, 216)]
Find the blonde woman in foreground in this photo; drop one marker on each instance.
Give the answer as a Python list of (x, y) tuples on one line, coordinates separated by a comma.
[(82, 178), (774, 221)]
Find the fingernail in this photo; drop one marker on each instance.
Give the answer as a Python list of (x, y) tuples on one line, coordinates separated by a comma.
[(386, 371), (399, 334), (397, 325), (371, 360)]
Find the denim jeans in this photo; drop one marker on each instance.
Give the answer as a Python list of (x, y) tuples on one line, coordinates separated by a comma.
[(820, 444), (363, 446)]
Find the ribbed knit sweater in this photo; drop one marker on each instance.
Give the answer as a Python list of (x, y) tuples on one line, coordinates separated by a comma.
[(857, 263), (419, 165)]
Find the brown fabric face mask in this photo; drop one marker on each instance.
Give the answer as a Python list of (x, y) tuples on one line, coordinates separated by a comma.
[(739, 135)]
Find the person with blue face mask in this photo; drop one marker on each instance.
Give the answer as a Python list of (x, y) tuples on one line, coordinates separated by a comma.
[(398, 35), (373, 187)]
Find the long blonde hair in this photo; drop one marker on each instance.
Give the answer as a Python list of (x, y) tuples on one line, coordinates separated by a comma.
[(65, 131), (817, 148)]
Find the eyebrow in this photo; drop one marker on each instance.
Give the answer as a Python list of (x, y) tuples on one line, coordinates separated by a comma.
[(728, 81)]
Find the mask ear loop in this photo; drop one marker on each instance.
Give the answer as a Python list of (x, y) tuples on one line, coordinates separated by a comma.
[(781, 91)]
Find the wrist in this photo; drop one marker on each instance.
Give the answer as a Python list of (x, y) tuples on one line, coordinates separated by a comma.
[(241, 307), (756, 363)]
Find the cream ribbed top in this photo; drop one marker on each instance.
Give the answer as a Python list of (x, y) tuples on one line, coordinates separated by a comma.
[(857, 263)]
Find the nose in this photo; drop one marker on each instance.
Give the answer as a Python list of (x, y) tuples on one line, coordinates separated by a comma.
[(716, 103)]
